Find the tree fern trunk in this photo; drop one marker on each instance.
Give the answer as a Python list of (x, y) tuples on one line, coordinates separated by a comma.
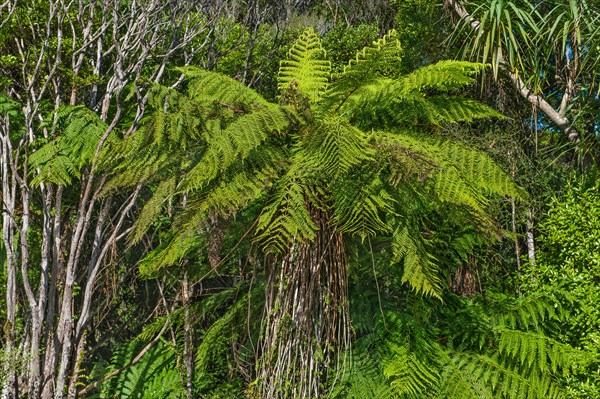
[(463, 281), (306, 325)]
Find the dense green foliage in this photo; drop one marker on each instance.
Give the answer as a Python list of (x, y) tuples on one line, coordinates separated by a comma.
[(567, 271), (300, 199)]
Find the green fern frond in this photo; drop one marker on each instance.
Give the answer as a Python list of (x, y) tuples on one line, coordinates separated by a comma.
[(286, 218), (479, 169), (506, 380), (444, 76), (233, 144), (332, 147), (149, 152), (152, 209), (218, 337), (373, 388), (525, 313), (440, 110), (449, 186), (359, 202), (306, 66), (365, 73), (409, 376), (153, 376), (61, 159), (206, 87), (168, 254), (536, 351), (420, 271), (9, 106), (455, 383), (419, 99), (457, 174), (226, 197)]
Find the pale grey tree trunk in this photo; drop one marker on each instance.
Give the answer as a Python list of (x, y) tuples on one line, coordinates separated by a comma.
[(188, 349), (530, 237), (9, 189)]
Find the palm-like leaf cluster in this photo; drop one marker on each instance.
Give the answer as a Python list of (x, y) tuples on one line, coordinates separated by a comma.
[(529, 37)]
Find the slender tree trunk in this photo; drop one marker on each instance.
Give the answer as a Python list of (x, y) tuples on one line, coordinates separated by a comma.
[(188, 351), (9, 189), (50, 361), (513, 214), (110, 36), (530, 238)]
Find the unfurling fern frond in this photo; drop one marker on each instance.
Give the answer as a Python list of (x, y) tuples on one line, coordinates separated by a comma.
[(306, 67)]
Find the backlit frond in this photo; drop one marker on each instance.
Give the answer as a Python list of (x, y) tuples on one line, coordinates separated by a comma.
[(61, 159), (305, 67), (365, 72)]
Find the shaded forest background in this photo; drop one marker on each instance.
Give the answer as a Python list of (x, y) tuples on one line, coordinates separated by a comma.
[(300, 199)]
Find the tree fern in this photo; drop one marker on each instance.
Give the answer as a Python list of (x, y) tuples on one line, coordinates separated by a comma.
[(338, 156)]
